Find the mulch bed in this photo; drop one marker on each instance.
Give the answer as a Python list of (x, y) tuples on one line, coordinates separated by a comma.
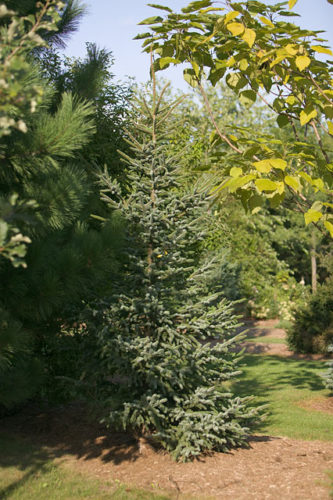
[(270, 468)]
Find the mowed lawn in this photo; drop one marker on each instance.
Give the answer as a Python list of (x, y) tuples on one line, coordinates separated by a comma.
[(265, 340), (285, 385), (28, 471)]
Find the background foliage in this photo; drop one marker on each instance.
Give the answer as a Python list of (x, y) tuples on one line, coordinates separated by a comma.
[(257, 138)]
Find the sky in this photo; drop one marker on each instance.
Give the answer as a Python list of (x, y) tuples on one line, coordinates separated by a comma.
[(112, 24)]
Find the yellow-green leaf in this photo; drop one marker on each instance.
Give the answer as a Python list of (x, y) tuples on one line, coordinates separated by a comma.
[(312, 216), (236, 28), (213, 136), (318, 183), (276, 200), (196, 68), (317, 205), (322, 50), (236, 172), (330, 127), (190, 77), (282, 120), (302, 62), (208, 39), (247, 97), (291, 99), (209, 9), (329, 227), (328, 111), (230, 16), (305, 116), (266, 21), (266, 166), (266, 185), (278, 163), (238, 182), (249, 36), (243, 64), (280, 187), (236, 80), (276, 61), (306, 177), (235, 183), (291, 3), (292, 182), (152, 20), (255, 203), (263, 166), (231, 62), (291, 49), (164, 61)]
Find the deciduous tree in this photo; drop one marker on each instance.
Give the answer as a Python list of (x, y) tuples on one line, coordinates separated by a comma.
[(261, 55)]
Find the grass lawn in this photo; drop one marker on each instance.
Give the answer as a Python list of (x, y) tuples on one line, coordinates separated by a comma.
[(283, 384), (265, 340), (28, 472)]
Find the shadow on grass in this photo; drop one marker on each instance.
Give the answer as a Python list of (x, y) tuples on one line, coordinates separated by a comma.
[(254, 348), (24, 456), (264, 374), (28, 470), (56, 433)]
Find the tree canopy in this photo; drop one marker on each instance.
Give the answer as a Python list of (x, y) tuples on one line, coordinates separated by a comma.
[(261, 55)]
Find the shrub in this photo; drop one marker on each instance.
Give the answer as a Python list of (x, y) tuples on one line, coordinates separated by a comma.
[(328, 375), (163, 378), (312, 329), (278, 299)]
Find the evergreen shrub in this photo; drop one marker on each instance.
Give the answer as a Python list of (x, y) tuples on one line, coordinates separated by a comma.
[(166, 339), (20, 372)]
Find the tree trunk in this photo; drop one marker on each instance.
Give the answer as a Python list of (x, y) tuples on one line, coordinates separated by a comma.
[(313, 264)]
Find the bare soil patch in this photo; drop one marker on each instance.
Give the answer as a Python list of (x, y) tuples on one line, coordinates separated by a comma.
[(270, 468), (321, 404), (265, 328)]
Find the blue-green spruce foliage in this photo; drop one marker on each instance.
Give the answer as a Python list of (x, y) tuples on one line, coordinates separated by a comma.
[(166, 340)]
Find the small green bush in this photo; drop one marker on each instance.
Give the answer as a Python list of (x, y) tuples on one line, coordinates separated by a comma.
[(328, 375), (312, 329)]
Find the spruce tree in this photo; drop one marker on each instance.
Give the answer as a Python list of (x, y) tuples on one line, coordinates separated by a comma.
[(165, 338)]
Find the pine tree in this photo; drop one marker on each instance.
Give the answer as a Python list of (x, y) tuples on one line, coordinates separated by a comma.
[(69, 15), (22, 92), (166, 378), (45, 200), (91, 79)]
